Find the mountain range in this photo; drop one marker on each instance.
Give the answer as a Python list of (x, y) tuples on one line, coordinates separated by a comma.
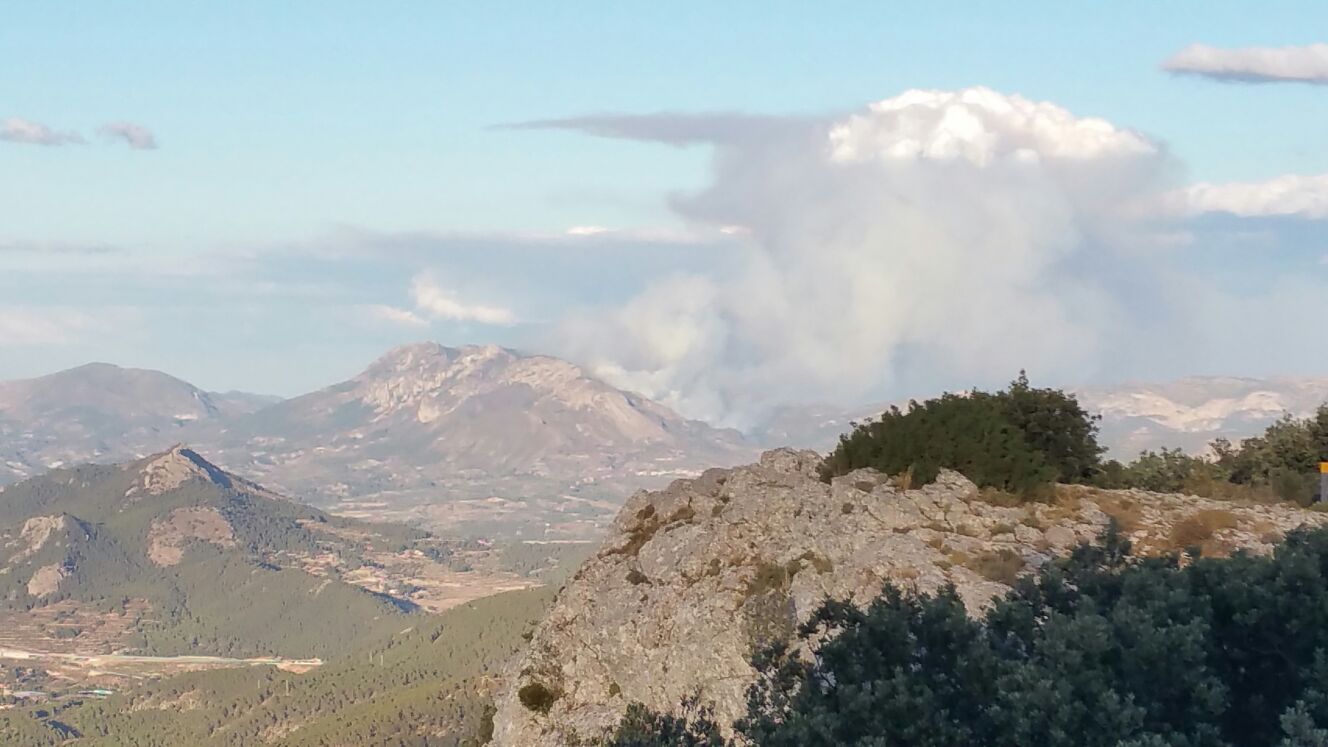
[(484, 440), (480, 439)]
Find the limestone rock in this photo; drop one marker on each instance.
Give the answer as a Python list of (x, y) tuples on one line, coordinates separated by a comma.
[(693, 578)]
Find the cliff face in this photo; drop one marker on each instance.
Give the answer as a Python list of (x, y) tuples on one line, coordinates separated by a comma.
[(694, 578)]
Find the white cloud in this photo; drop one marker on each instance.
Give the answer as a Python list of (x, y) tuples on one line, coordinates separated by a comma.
[(1290, 194), (978, 125), (1307, 64), (434, 301), (135, 136), (40, 326), (937, 236), (404, 317), (19, 130)]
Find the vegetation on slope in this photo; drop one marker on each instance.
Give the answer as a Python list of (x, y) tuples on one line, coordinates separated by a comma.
[(1017, 440), (424, 686), (250, 598), (1098, 649), (1022, 438)]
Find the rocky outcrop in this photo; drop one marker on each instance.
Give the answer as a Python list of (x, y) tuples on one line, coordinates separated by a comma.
[(35, 533), (694, 578), (46, 580), (176, 466), (168, 537)]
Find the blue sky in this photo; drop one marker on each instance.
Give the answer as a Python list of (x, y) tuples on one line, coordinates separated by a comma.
[(317, 161)]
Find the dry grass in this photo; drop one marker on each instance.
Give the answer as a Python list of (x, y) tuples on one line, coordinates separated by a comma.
[(958, 557), (1199, 528), (1002, 566), (903, 480), (1001, 498), (1128, 514), (1064, 502)]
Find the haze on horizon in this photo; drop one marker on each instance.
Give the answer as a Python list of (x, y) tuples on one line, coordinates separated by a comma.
[(722, 208)]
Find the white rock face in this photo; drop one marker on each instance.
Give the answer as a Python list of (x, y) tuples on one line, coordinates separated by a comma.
[(693, 577)]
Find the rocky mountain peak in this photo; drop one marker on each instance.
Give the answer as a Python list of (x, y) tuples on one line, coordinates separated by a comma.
[(432, 381), (174, 467), (693, 579)]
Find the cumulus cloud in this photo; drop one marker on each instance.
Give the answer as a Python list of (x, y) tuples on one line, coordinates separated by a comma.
[(1307, 64), (19, 130), (135, 136), (436, 302), (1287, 195), (935, 237)]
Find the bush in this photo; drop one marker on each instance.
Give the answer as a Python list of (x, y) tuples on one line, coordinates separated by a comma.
[(1165, 471), (537, 697), (1289, 446), (644, 728), (1016, 440)]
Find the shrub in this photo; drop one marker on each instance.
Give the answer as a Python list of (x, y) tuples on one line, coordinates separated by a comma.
[(1013, 440), (1165, 471), (1288, 447), (641, 727), (1055, 426), (537, 697)]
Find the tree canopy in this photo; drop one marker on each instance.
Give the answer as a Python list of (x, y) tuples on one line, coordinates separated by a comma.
[(1016, 439)]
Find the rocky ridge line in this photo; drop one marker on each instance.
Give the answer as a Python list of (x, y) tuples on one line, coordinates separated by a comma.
[(693, 578)]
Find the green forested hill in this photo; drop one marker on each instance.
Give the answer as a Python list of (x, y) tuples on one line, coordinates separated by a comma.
[(222, 564), (425, 685)]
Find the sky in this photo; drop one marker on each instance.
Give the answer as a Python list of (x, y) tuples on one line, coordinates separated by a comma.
[(725, 206)]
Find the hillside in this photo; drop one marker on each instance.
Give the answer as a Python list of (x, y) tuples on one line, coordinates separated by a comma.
[(102, 413), (430, 684), (475, 438), (171, 555), (695, 579)]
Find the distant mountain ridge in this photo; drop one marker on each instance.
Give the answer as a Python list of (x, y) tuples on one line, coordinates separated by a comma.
[(478, 437), (1190, 413), (105, 413)]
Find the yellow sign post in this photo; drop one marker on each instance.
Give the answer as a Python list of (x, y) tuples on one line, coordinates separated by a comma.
[(1323, 481)]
